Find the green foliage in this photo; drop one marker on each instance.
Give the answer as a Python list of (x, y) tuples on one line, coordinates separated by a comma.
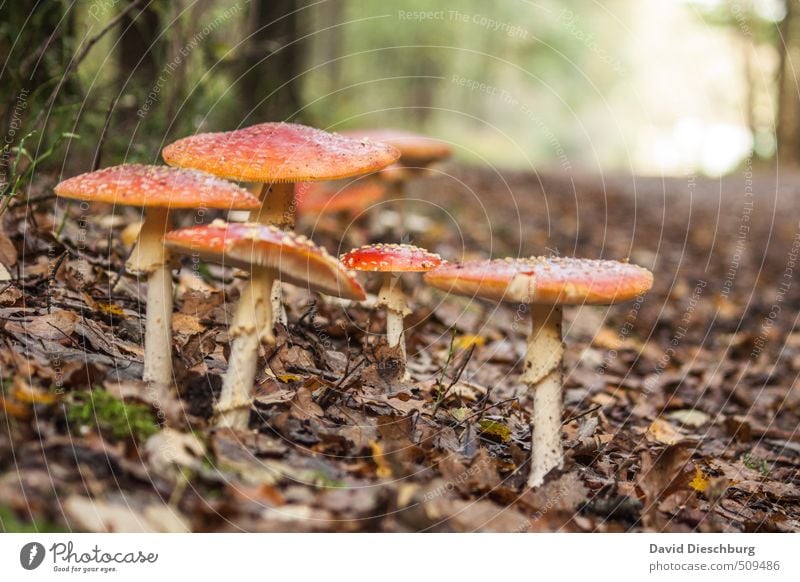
[(62, 77), (24, 165), (205, 272), (465, 69), (9, 523), (749, 18), (98, 410), (555, 71), (756, 464), (38, 95)]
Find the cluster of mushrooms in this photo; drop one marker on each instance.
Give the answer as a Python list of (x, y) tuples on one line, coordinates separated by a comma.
[(283, 158)]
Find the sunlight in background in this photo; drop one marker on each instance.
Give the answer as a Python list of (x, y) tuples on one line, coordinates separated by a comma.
[(693, 145), (702, 74), (660, 87), (694, 92), (682, 102), (648, 87)]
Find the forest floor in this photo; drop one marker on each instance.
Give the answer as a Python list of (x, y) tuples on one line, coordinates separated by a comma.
[(681, 409)]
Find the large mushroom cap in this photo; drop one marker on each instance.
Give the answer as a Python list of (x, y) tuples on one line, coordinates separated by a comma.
[(415, 149), (279, 152), (293, 257), (318, 198), (544, 280), (161, 186), (391, 258)]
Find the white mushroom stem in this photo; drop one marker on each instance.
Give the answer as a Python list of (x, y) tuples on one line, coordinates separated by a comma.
[(151, 258), (277, 307), (278, 209), (277, 206), (392, 297), (248, 329), (544, 376)]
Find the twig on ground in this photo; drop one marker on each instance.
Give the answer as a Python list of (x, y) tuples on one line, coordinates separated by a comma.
[(51, 278), (329, 396), (582, 414), (454, 381)]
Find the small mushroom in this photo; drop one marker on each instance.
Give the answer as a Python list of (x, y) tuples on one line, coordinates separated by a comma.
[(270, 254), (545, 284), (351, 199), (157, 189), (391, 260), (418, 153), (277, 155)]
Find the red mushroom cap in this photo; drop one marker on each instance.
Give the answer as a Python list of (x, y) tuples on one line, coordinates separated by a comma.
[(390, 258), (279, 152), (415, 149), (544, 280), (317, 198), (297, 260), (162, 186)]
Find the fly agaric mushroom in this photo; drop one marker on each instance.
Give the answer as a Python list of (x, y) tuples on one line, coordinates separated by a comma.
[(546, 284), (270, 254), (158, 190), (277, 155), (417, 154), (391, 260), (311, 198)]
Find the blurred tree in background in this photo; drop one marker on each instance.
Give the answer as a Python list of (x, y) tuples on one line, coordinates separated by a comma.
[(788, 119), (269, 87), (562, 84), (773, 89)]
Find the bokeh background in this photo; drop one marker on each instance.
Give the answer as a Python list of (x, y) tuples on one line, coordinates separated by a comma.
[(664, 132), (655, 87)]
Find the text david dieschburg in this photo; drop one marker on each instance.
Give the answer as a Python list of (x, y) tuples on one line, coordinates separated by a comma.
[(750, 551)]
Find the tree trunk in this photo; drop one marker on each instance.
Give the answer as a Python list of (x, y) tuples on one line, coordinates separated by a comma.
[(138, 45), (330, 42), (139, 57), (788, 115), (273, 58)]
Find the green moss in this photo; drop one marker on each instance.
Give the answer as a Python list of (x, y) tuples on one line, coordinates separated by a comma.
[(98, 410), (9, 523), (322, 480), (756, 464), (495, 429)]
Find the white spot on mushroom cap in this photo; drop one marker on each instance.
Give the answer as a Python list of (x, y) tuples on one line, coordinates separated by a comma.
[(390, 257)]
